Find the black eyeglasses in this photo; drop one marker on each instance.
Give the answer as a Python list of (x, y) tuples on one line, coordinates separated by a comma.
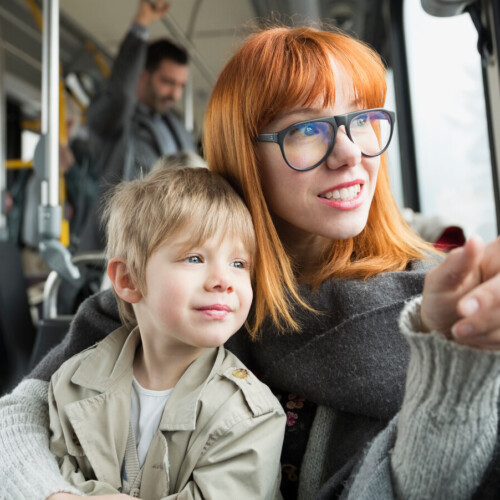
[(305, 145)]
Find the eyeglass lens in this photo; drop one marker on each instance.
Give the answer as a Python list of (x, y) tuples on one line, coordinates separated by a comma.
[(307, 144)]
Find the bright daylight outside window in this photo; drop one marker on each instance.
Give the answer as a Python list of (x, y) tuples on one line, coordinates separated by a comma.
[(451, 138)]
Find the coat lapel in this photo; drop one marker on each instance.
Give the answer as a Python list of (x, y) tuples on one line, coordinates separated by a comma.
[(155, 477), (101, 429), (101, 421)]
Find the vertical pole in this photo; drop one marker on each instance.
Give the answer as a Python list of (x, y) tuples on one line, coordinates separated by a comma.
[(53, 252), (491, 79), (411, 197), (188, 104), (3, 144), (50, 211)]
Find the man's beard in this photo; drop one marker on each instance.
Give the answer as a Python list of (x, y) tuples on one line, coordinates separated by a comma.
[(163, 104)]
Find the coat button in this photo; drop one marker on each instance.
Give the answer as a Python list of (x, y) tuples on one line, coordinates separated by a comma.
[(240, 373)]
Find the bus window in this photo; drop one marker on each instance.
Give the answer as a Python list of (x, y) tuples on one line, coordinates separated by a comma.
[(451, 137)]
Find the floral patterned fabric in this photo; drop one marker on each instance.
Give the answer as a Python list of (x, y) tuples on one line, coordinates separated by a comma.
[(299, 418)]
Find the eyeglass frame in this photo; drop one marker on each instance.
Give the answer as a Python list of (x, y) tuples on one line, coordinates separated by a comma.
[(336, 122)]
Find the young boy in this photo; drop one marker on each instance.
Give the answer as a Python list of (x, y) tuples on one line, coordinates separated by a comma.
[(159, 408)]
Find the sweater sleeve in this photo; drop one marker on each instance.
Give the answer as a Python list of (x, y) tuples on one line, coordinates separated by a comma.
[(447, 426), (28, 470), (441, 442)]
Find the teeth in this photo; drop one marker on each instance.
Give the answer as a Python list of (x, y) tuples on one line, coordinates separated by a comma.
[(344, 194)]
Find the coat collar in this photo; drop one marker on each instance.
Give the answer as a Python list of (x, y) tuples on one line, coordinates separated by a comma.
[(109, 362), (109, 368), (181, 409)]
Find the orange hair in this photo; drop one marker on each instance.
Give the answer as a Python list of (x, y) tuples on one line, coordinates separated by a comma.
[(274, 70)]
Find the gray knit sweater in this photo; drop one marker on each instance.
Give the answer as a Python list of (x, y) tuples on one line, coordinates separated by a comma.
[(352, 361)]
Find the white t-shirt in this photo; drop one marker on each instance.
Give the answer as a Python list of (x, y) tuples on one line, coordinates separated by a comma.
[(145, 415)]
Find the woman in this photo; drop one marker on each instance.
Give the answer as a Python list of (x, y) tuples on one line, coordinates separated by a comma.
[(302, 136), (320, 198)]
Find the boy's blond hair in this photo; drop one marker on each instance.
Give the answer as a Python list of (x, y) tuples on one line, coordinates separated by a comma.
[(142, 214)]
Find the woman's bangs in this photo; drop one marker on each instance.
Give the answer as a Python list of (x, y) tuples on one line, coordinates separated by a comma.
[(316, 86), (366, 72), (308, 79)]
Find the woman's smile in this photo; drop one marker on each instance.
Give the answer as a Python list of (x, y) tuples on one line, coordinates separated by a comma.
[(345, 196)]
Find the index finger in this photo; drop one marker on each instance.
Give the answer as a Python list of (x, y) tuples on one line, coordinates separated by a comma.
[(457, 266), (490, 262), (480, 311)]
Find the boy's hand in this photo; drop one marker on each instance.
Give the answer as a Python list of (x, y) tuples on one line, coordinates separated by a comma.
[(150, 12)]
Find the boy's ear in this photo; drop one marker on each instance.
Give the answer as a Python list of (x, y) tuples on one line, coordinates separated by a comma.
[(124, 287)]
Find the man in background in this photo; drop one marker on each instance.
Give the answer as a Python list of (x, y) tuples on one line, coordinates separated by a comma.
[(131, 121)]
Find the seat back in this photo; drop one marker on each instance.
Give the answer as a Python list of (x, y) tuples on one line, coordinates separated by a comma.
[(51, 331), (17, 331)]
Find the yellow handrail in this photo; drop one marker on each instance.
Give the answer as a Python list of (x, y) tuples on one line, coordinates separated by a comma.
[(35, 10), (18, 164), (33, 125), (98, 59)]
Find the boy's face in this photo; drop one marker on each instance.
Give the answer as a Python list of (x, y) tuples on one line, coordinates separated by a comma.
[(197, 297)]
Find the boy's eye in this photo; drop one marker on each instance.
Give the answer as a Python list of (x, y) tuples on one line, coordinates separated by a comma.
[(240, 264), (193, 259)]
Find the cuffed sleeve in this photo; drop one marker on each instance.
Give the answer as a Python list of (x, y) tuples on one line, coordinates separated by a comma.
[(448, 422)]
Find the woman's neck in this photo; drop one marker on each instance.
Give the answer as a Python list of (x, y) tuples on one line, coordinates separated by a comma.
[(304, 249)]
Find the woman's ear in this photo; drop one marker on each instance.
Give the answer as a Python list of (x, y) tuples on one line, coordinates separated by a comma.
[(124, 287)]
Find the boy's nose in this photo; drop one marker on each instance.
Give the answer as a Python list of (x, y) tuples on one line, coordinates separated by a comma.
[(219, 281)]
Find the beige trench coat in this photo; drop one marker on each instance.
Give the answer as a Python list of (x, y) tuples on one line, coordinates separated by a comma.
[(220, 435)]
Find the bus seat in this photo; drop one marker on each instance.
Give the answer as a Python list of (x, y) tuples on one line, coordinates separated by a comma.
[(17, 331), (53, 325), (51, 331)]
